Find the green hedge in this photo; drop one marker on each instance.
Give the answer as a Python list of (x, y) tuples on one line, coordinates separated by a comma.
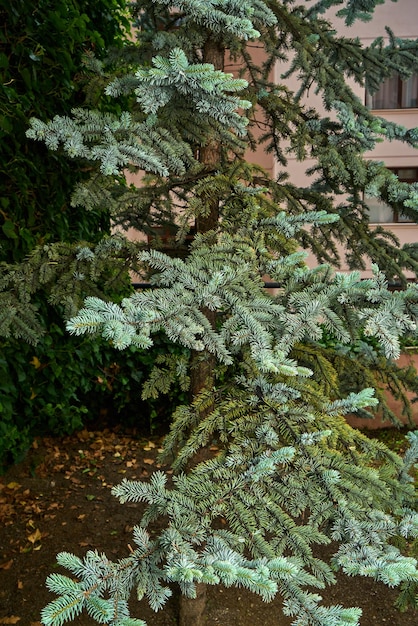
[(66, 383), (42, 44), (61, 383)]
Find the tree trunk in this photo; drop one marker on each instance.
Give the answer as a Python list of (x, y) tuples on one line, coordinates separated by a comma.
[(210, 154), (192, 611)]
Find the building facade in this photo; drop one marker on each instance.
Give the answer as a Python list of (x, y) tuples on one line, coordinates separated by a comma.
[(396, 100)]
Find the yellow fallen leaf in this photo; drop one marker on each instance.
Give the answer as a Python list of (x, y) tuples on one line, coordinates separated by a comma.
[(149, 461), (13, 619), (13, 486), (36, 536)]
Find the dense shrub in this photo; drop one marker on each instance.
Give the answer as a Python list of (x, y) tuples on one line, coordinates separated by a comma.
[(65, 383), (42, 44), (59, 384)]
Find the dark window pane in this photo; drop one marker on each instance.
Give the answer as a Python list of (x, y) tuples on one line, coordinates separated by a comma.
[(410, 92), (387, 96), (395, 93)]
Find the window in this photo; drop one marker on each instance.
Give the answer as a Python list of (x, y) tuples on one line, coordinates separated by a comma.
[(395, 93), (379, 212)]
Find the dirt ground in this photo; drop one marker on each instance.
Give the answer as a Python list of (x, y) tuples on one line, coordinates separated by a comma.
[(59, 499)]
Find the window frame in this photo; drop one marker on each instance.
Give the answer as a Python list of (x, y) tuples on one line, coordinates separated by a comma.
[(401, 89), (395, 213)]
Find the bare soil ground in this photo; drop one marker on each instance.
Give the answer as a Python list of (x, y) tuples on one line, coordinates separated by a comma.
[(59, 499)]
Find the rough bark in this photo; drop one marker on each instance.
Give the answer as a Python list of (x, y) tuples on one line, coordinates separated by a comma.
[(192, 611), (210, 154)]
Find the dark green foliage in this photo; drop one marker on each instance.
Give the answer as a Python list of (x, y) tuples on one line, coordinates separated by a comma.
[(42, 44), (54, 383), (41, 48), (63, 384)]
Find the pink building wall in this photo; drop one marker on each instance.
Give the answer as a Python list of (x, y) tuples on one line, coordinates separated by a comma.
[(402, 18)]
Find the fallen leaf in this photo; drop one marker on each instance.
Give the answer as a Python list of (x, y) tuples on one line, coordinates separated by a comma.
[(149, 461), (12, 486), (83, 435), (36, 536), (6, 565), (19, 584), (13, 619)]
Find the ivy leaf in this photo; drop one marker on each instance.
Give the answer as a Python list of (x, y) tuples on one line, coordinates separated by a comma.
[(8, 229)]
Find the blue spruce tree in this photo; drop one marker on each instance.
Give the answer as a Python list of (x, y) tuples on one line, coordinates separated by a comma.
[(290, 474)]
